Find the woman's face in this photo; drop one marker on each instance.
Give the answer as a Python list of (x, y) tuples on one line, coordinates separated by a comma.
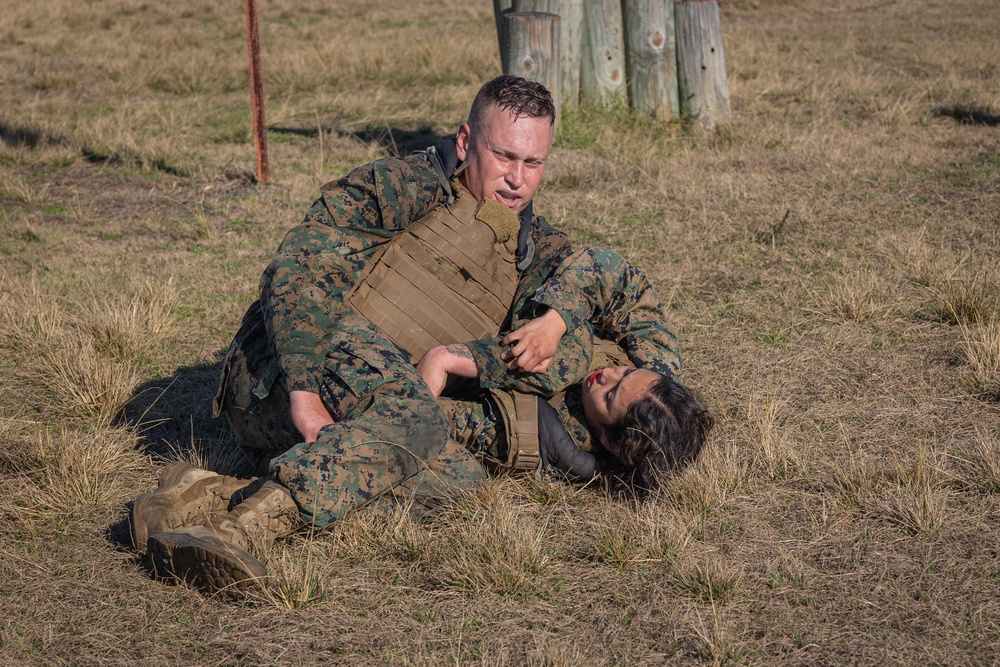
[(609, 392)]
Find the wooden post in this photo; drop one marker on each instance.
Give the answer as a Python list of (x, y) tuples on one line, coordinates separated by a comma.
[(701, 64), (650, 46), (570, 37), (532, 51), (257, 92), (500, 8), (602, 75)]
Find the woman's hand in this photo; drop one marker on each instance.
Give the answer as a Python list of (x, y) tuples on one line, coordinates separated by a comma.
[(438, 362), (535, 343)]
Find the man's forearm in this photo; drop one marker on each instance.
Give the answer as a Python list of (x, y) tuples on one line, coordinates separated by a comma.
[(309, 414), (444, 360), (460, 362)]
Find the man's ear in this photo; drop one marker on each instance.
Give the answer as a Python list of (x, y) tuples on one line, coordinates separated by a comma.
[(462, 139)]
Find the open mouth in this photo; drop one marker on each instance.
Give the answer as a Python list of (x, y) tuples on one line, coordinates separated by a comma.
[(510, 201)]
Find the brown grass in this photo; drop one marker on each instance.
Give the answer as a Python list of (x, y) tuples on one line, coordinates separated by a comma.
[(917, 503), (980, 467), (829, 260), (982, 351), (62, 475), (83, 385), (860, 296)]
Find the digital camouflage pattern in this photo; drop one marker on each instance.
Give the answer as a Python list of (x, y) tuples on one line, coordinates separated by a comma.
[(390, 429), (617, 303), (599, 294), (391, 438), (391, 435), (302, 289), (620, 317)]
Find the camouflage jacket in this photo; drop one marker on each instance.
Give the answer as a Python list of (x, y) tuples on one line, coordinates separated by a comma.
[(601, 295), (617, 313), (302, 289), (321, 259)]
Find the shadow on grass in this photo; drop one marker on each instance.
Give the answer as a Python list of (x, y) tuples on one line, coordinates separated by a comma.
[(173, 416), (395, 140), (968, 115), (119, 537), (131, 158), (19, 136)]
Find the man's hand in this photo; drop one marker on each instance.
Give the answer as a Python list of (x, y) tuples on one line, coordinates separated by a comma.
[(536, 343), (309, 414), (438, 362)]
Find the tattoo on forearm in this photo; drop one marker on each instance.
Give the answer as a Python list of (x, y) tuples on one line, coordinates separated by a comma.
[(459, 350)]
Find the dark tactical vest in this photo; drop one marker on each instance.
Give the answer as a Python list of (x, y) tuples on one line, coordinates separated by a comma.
[(450, 277)]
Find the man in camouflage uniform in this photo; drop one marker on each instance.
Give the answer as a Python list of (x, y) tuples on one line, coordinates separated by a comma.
[(383, 427), (343, 408)]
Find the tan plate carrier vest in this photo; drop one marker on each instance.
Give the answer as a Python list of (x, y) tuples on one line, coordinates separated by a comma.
[(449, 277)]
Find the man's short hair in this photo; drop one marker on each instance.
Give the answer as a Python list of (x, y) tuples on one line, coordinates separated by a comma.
[(513, 94)]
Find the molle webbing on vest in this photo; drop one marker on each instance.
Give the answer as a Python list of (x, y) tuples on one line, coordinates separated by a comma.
[(445, 279), (520, 418)]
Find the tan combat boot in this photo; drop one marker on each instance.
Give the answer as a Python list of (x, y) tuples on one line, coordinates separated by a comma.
[(185, 496), (214, 557)]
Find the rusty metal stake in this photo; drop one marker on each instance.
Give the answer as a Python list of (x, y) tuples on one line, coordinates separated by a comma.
[(257, 92)]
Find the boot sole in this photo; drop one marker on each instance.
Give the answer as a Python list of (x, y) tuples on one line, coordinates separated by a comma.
[(200, 559)]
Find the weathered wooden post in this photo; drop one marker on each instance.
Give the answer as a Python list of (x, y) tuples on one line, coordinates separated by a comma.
[(602, 75), (500, 8), (651, 49), (570, 37), (704, 89), (532, 51), (257, 92)]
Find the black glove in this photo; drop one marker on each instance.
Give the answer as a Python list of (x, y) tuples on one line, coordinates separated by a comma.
[(558, 450)]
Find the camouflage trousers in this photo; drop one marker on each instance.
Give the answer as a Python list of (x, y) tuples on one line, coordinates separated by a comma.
[(476, 424), (390, 442)]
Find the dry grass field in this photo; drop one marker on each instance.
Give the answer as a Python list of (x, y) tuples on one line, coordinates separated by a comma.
[(830, 260)]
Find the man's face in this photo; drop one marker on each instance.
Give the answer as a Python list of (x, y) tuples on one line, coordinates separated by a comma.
[(505, 156)]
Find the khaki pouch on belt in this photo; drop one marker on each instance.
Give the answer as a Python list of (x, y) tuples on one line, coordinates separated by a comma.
[(520, 419)]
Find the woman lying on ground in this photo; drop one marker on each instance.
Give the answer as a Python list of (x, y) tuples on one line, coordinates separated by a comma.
[(638, 426), (630, 418)]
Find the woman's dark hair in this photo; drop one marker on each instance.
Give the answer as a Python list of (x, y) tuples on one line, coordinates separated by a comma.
[(660, 433)]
